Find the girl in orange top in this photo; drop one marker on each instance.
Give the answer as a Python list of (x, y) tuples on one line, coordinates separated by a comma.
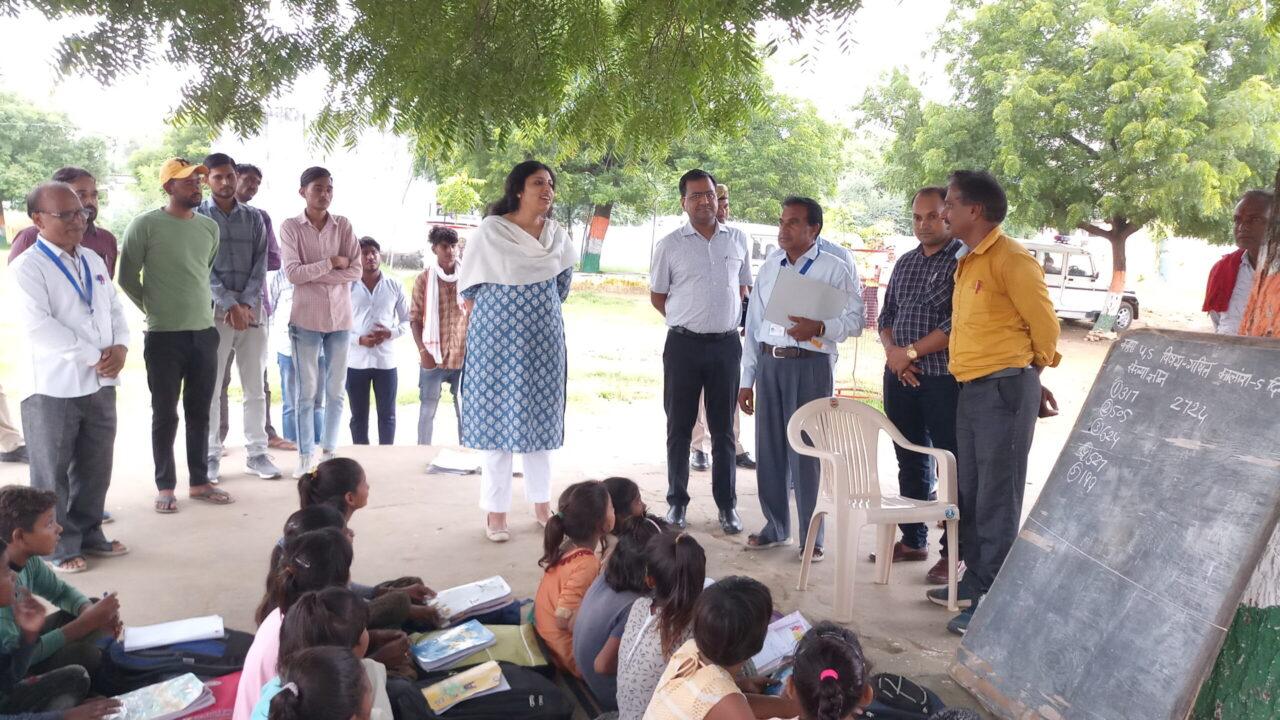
[(572, 538)]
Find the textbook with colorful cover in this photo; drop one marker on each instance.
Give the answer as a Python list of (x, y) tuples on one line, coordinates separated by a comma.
[(780, 643), (166, 700), (479, 681), (443, 649), (459, 603)]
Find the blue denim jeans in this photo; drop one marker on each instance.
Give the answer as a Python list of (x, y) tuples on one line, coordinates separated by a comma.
[(925, 415), (289, 391), (312, 375), (430, 383)]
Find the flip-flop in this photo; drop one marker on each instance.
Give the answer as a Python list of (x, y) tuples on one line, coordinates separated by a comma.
[(214, 496), (166, 504), (60, 568), (116, 549), (754, 543)]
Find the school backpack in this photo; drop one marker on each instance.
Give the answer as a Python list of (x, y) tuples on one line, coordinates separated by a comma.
[(898, 698), (532, 697), (123, 672)]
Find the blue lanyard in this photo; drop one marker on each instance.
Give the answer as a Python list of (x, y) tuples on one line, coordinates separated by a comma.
[(807, 263), (87, 293)]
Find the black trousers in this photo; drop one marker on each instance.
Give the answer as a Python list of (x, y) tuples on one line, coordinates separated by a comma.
[(925, 415), (694, 366), (385, 384), (995, 421), (181, 363)]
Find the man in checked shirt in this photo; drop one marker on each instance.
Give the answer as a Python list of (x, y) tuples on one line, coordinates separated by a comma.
[(920, 394)]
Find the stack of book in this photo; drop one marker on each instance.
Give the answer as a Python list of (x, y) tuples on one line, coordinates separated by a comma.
[(465, 601), (479, 681), (166, 700)]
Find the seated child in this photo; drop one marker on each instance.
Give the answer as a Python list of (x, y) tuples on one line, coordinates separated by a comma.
[(341, 483), (330, 617), (729, 627), (43, 697), (572, 537), (676, 569), (625, 496), (69, 636), (603, 614), (311, 561), (316, 517), (831, 677), (323, 683)]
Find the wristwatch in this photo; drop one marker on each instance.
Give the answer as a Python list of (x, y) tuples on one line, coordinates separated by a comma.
[(911, 351)]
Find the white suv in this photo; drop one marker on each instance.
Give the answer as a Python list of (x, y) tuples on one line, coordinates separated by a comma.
[(1074, 287)]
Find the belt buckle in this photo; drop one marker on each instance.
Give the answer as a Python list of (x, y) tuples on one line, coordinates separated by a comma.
[(775, 350)]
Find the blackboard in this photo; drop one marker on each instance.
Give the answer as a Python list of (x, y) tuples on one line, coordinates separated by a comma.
[(1119, 590)]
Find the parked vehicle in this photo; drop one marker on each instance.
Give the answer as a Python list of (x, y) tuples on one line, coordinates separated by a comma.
[(1074, 286)]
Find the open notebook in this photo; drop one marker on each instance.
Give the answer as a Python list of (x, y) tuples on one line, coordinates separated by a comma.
[(145, 637)]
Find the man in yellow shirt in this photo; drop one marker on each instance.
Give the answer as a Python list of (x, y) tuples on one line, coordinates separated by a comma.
[(1003, 333)]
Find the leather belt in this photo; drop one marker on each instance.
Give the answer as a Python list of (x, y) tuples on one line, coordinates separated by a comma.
[(702, 336), (1007, 372), (787, 353)]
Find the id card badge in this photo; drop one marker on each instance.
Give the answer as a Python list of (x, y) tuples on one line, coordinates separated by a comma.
[(774, 330)]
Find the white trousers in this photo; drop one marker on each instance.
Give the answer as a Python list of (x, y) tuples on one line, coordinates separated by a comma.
[(495, 479)]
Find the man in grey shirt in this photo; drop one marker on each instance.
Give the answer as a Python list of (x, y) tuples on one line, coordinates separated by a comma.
[(698, 277), (236, 281)]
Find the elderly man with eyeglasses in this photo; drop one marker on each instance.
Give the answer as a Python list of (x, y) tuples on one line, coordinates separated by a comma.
[(79, 339)]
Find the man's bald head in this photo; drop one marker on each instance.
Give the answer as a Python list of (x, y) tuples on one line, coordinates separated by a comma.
[(1252, 215), (56, 210)]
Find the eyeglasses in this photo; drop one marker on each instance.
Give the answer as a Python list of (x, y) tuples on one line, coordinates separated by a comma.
[(699, 196), (69, 215)]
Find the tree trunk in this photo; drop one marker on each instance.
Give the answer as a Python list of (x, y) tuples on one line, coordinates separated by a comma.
[(1118, 234), (595, 237), (1245, 683)]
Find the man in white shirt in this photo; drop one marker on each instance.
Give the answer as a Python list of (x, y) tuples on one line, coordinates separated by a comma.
[(79, 339), (379, 315), (790, 366), (1231, 278), (697, 279)]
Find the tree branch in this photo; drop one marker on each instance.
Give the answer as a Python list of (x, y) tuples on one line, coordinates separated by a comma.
[(1093, 229), (1081, 144)]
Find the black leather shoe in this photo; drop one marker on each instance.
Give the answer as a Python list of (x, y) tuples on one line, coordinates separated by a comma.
[(730, 523), (698, 460), (745, 461), (675, 516)]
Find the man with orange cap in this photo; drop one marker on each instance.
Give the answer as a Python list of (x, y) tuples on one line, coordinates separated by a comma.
[(164, 269)]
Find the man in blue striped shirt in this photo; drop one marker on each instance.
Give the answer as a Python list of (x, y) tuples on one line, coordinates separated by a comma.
[(786, 367), (920, 394)]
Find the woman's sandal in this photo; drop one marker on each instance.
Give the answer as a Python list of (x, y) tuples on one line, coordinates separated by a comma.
[(62, 565), (214, 496), (498, 536), (166, 504)]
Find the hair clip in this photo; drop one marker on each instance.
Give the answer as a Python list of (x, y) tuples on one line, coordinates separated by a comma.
[(652, 522), (302, 562), (290, 687), (828, 674)]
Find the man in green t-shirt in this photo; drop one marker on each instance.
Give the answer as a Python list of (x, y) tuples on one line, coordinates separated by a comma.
[(164, 269)]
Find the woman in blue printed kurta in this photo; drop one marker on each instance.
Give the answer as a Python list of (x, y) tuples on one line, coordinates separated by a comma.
[(514, 275)]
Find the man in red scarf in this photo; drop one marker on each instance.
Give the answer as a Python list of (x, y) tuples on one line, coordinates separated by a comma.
[(1232, 277)]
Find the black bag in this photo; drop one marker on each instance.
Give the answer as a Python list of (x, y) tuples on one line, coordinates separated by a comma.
[(531, 697), (123, 672), (898, 698)]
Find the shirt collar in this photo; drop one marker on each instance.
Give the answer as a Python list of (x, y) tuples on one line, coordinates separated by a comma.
[(689, 229), (810, 254), (54, 248), (983, 246), (302, 218), (211, 205), (1244, 261)]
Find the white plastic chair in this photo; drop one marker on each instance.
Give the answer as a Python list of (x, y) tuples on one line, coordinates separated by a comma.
[(843, 434)]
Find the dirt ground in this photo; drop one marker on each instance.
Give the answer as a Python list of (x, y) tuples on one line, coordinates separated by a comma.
[(209, 559)]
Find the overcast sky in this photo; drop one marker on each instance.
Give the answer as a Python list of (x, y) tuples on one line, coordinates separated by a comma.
[(886, 33)]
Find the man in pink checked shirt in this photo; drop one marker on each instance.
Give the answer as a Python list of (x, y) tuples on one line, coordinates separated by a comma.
[(321, 258)]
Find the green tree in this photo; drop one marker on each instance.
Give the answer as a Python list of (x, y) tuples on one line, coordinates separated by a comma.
[(459, 193), (621, 74), (34, 143), (1103, 115), (188, 141)]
